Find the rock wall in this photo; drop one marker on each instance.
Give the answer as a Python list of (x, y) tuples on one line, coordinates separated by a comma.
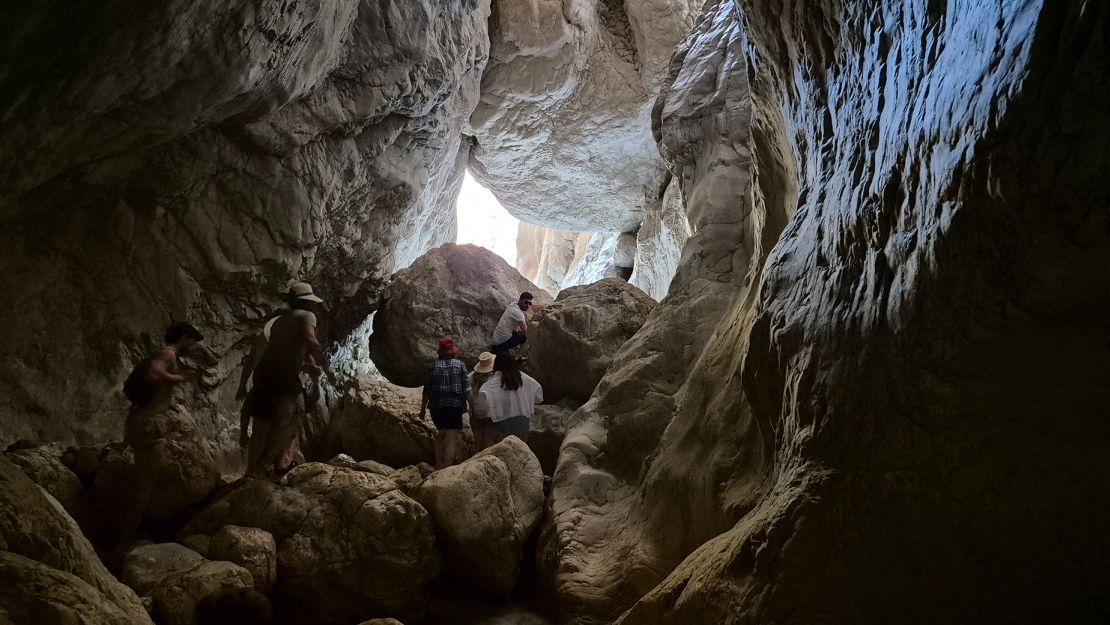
[(562, 132), (559, 259), (887, 410), (152, 174)]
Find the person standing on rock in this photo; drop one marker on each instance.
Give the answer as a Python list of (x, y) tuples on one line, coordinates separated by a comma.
[(511, 397), (447, 394), (277, 399), (480, 422), (512, 329), (150, 390)]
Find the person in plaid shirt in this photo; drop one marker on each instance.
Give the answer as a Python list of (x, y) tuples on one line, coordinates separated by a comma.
[(447, 393)]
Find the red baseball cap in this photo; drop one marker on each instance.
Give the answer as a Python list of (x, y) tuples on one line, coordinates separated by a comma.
[(447, 347)]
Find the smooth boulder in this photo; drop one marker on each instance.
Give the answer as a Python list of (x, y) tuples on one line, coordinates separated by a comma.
[(381, 421), (176, 595), (459, 291), (350, 544), (251, 548), (146, 565), (485, 509), (32, 593), (48, 559), (45, 466), (573, 340)]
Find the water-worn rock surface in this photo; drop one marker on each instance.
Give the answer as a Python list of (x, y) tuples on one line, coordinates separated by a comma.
[(146, 565), (252, 548), (573, 340), (350, 544), (454, 290), (862, 398), (381, 421), (563, 128), (484, 510), (150, 175), (48, 569)]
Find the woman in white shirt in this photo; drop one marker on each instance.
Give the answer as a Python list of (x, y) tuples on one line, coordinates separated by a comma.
[(510, 398)]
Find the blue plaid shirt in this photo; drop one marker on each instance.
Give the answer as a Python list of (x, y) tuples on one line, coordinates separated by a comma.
[(448, 384)]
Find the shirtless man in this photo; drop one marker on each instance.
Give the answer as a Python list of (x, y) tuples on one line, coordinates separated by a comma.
[(277, 399), (147, 423)]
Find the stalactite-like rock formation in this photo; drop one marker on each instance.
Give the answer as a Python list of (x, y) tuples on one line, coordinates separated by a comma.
[(888, 408)]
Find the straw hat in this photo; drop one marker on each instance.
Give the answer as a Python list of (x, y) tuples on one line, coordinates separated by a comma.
[(303, 290), (485, 363)]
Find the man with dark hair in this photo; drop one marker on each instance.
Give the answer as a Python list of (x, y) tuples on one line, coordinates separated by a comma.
[(512, 328), (150, 390), (276, 401)]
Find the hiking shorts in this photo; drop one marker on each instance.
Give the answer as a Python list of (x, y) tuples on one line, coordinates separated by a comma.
[(448, 417)]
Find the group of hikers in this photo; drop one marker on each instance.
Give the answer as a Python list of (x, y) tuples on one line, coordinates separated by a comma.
[(283, 373), (498, 396)]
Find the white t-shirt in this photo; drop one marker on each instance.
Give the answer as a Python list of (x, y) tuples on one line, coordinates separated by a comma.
[(502, 403), (509, 323)]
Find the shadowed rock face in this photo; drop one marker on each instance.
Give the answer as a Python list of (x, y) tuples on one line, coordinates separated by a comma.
[(886, 410), (48, 568), (150, 174)]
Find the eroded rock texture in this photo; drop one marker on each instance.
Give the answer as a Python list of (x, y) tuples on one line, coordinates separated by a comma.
[(381, 421), (48, 570), (350, 545), (459, 291), (484, 510), (572, 340), (149, 174), (562, 132), (888, 410)]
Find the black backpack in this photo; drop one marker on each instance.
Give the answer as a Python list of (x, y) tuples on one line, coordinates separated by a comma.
[(136, 388)]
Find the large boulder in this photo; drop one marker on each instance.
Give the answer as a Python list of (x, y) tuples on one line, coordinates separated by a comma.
[(574, 339), (34, 593), (176, 595), (381, 421), (454, 290), (45, 551), (350, 544), (251, 548), (45, 466), (146, 565), (484, 510), (187, 476)]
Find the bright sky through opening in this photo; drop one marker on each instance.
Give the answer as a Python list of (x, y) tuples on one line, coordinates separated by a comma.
[(483, 221)]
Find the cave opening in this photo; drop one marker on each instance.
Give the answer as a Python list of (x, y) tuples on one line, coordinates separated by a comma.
[(484, 222)]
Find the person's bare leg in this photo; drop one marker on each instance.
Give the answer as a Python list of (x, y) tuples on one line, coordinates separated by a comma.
[(452, 446), (441, 440), (146, 478)]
